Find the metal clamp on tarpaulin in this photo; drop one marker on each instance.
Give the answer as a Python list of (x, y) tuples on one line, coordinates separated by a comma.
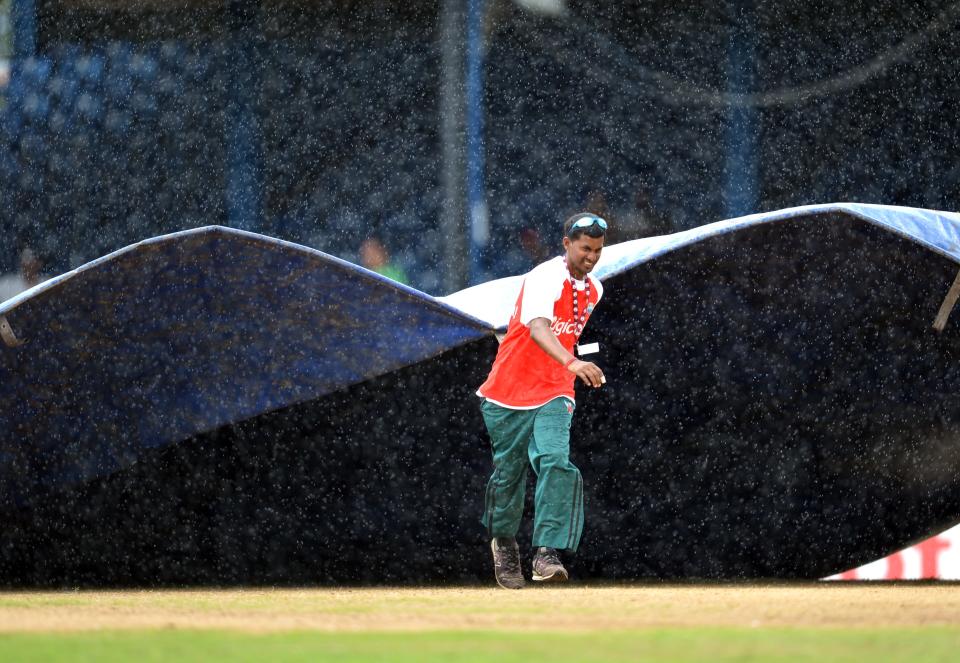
[(948, 303), (6, 333)]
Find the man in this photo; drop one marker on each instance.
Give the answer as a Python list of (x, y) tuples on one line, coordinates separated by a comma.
[(374, 256), (28, 276), (528, 406)]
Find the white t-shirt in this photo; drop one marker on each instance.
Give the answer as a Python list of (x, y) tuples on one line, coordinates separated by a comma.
[(11, 285), (543, 286)]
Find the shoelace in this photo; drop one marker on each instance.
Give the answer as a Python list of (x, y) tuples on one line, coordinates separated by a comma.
[(550, 557), (509, 559)]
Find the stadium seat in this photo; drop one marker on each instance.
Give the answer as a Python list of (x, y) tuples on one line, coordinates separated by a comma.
[(89, 107), (34, 71), (63, 90), (88, 70), (118, 84), (35, 108), (119, 54), (117, 122), (143, 68)]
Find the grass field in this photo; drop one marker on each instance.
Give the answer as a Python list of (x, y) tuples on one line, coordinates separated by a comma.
[(810, 622)]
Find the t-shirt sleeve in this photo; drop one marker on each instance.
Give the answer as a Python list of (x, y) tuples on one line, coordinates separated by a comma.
[(599, 286), (541, 290)]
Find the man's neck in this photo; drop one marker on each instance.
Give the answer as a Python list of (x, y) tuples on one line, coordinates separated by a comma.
[(575, 274)]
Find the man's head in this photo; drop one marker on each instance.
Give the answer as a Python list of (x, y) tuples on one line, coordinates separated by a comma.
[(30, 266), (373, 254), (583, 236)]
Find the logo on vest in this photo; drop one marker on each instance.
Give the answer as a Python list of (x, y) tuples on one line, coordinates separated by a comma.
[(563, 327)]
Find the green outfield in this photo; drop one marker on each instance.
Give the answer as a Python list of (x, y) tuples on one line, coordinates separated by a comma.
[(816, 622), (662, 644)]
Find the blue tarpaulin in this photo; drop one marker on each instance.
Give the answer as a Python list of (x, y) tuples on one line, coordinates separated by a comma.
[(937, 231), (187, 332)]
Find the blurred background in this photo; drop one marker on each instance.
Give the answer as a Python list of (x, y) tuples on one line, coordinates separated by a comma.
[(442, 142)]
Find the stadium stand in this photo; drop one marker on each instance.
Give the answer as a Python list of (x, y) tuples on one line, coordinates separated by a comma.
[(364, 163), (111, 145), (108, 142)]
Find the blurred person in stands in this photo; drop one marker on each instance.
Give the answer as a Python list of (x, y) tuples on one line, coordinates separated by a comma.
[(28, 276), (528, 403), (597, 204), (643, 219), (532, 246), (374, 256)]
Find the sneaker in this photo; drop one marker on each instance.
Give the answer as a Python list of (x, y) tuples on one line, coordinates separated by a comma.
[(506, 563), (547, 566)]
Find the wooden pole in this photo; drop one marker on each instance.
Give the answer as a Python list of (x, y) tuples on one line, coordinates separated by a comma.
[(6, 333), (948, 303)]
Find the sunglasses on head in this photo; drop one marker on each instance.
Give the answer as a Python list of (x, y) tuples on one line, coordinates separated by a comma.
[(588, 222)]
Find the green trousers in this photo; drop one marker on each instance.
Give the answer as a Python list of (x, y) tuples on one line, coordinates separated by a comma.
[(538, 438)]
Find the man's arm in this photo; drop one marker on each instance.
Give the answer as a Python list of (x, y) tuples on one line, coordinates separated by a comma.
[(543, 336)]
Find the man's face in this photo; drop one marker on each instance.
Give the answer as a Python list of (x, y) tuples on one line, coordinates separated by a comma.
[(582, 253), (372, 254)]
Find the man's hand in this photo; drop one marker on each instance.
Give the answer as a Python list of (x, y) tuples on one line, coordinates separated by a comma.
[(587, 371), (543, 336)]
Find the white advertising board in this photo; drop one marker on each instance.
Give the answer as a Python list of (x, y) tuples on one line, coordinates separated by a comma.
[(936, 558)]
